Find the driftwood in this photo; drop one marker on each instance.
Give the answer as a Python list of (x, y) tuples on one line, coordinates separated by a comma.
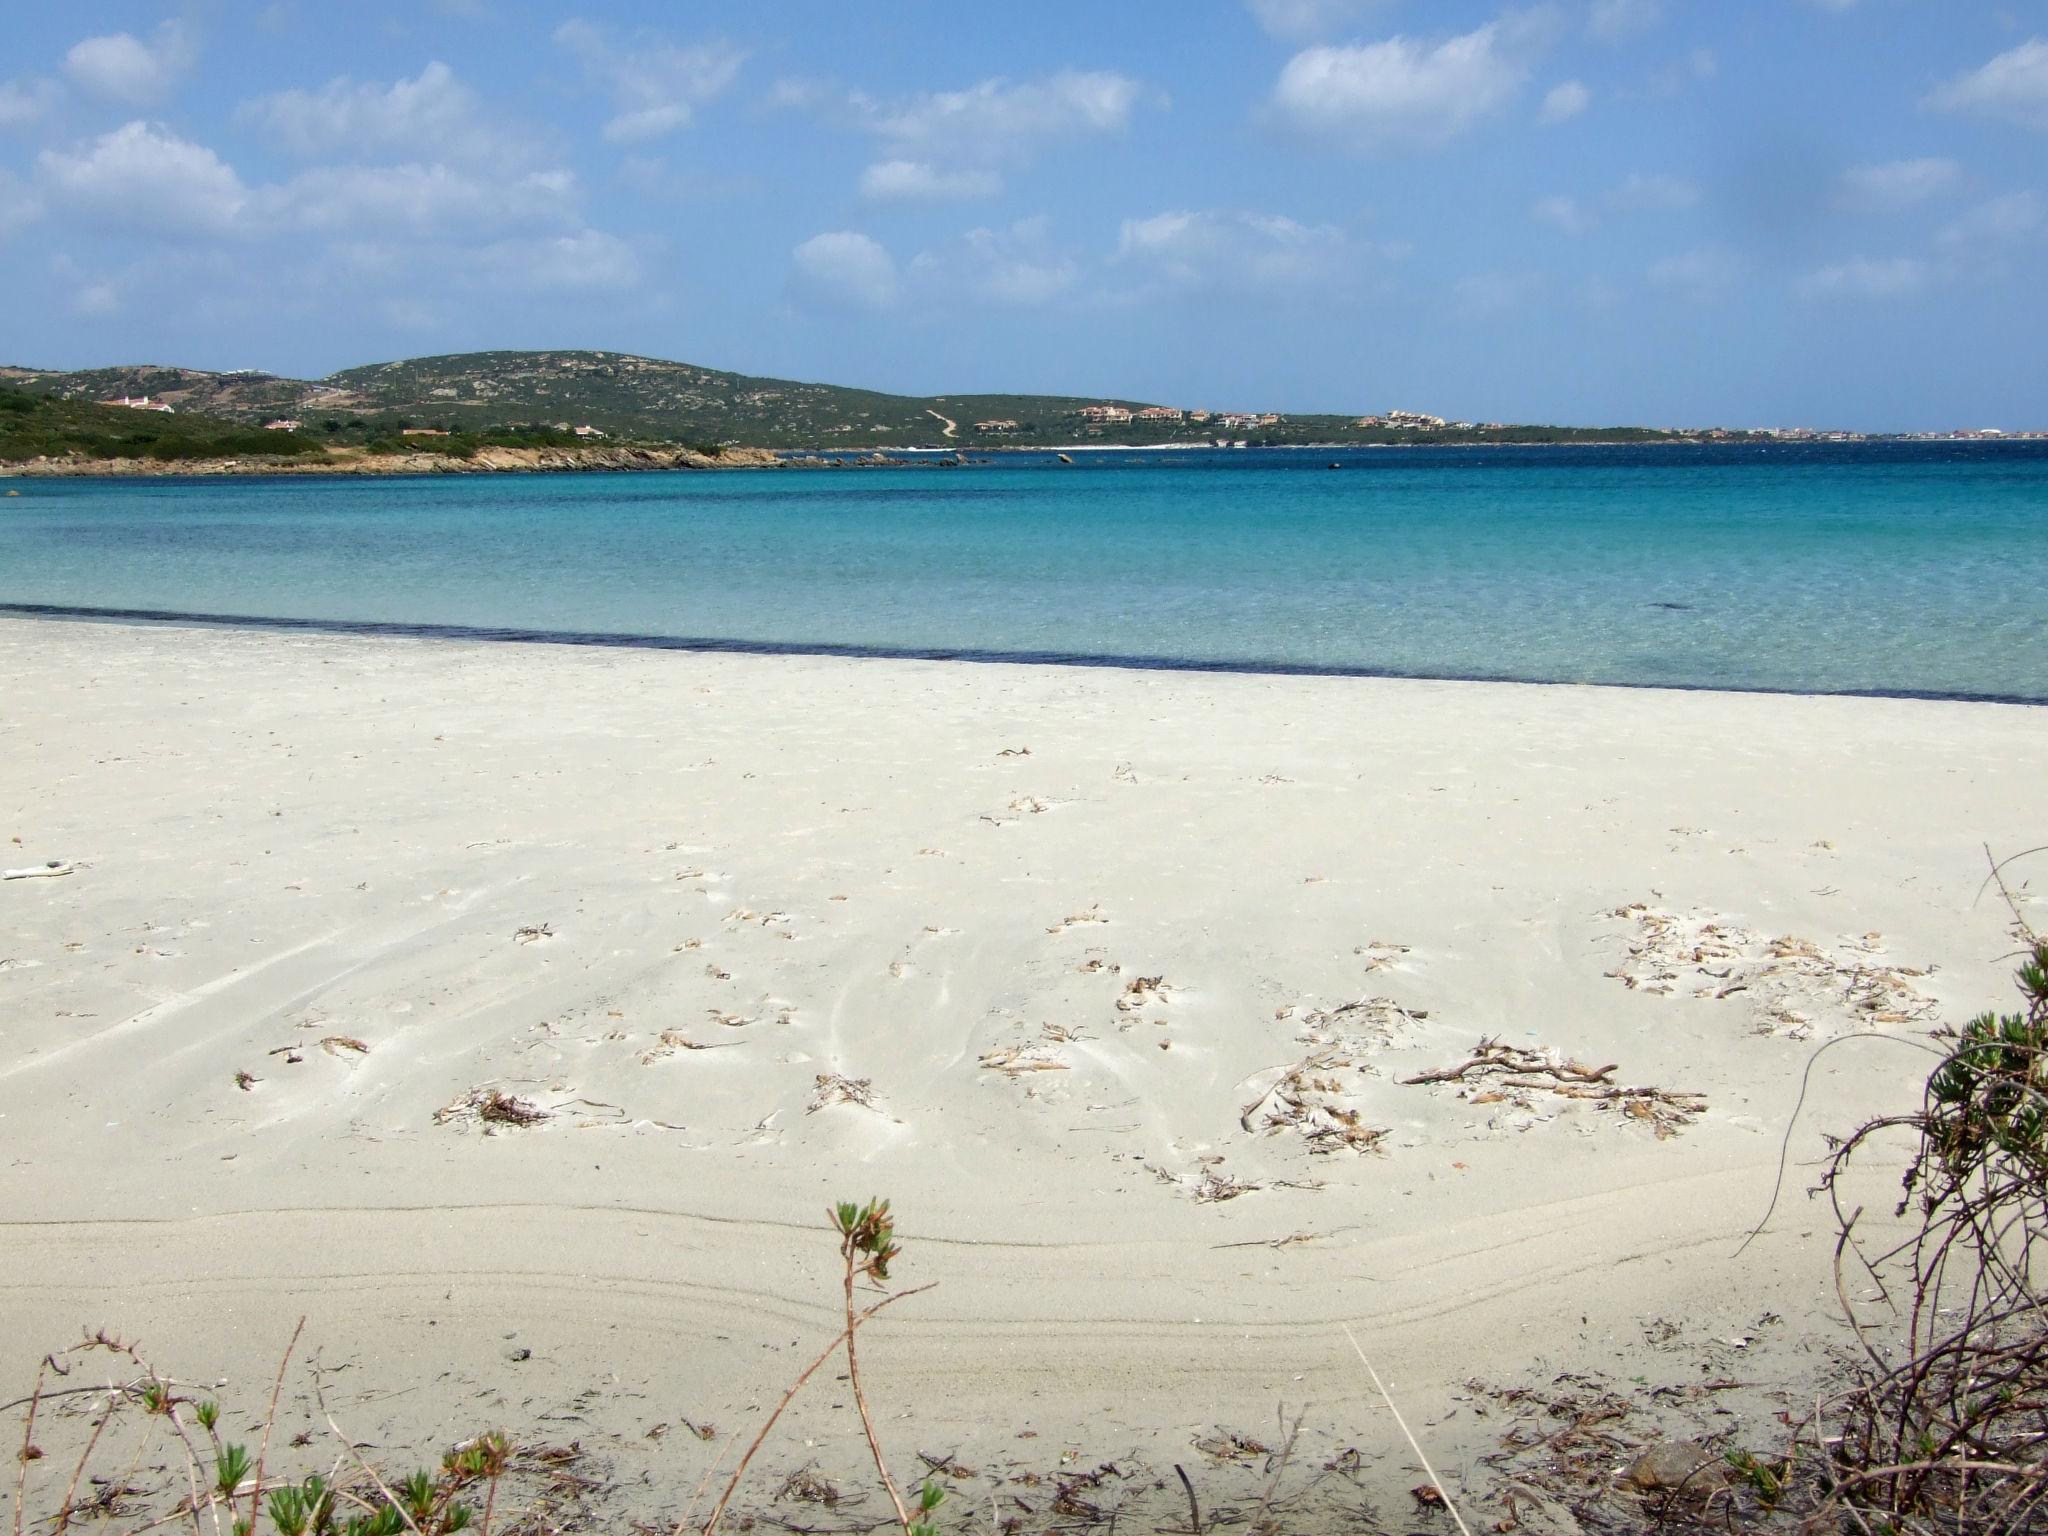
[(49, 871), (1492, 1056), (1502, 1072)]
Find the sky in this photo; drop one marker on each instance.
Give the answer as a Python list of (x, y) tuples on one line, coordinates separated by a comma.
[(1670, 212)]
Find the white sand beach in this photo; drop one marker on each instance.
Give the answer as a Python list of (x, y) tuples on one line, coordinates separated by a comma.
[(1062, 961)]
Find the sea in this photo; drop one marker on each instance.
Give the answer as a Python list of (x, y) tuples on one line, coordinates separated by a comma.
[(1915, 569)]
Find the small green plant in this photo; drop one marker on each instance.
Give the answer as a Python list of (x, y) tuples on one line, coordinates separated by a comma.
[(208, 1414), (230, 1466), (865, 1236), (867, 1247), (304, 1509), (156, 1397), (1767, 1481)]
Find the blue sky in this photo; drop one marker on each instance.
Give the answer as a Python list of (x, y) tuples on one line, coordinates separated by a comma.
[(1743, 212)]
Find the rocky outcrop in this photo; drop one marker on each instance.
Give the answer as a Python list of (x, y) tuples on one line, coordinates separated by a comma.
[(485, 461)]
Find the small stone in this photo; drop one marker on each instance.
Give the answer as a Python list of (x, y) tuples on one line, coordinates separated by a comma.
[(1676, 1464)]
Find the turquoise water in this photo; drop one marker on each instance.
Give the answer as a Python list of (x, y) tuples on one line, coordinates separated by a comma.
[(1886, 568)]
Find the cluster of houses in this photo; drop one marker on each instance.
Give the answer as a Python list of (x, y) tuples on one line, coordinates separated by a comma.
[(139, 403), (1118, 415), (1413, 421)]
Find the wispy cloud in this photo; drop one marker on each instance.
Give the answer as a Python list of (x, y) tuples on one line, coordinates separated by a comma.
[(1564, 101), (1016, 265), (26, 101), (1897, 184), (1613, 20), (434, 113), (843, 269), (2012, 88), (918, 181), (656, 85), (1310, 20), (1190, 250), (1867, 277)]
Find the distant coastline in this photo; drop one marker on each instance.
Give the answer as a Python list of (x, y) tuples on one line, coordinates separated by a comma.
[(656, 459)]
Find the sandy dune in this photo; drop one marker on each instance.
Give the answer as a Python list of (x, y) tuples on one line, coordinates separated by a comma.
[(1110, 980)]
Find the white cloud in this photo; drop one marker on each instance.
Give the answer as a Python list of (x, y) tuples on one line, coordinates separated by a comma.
[(1304, 20), (2013, 88), (422, 199), (121, 67), (434, 112), (998, 120), (1700, 275), (144, 179), (1232, 250), (1867, 277), (656, 86), (25, 101), (1016, 266), (1565, 101), (1897, 184), (583, 260), (1612, 20), (1401, 92), (1655, 193), (918, 181), (1563, 213), (2003, 221), (843, 269)]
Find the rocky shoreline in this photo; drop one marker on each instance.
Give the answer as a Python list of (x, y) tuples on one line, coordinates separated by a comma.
[(484, 461)]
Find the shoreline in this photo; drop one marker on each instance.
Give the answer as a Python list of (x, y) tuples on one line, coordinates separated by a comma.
[(643, 459), (1081, 660)]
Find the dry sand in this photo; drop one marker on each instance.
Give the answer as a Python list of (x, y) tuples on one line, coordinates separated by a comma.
[(1078, 942)]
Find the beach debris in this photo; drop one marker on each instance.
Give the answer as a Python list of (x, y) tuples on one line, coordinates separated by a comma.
[(1014, 752), (50, 871), (1791, 985), (492, 1107), (1229, 1445), (1205, 1184), (1512, 1075), (807, 1487), (1094, 914), (832, 1088), (672, 1040), (1379, 955), (533, 933), (334, 1045), (1040, 1055), (1017, 1060), (1318, 1097), (246, 1080), (1142, 992)]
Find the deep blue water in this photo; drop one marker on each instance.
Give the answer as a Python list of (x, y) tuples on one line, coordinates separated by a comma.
[(1898, 568)]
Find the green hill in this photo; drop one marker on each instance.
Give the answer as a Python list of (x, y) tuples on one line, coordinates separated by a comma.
[(642, 399)]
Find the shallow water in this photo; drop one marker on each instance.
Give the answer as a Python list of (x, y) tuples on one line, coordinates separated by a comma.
[(1896, 568)]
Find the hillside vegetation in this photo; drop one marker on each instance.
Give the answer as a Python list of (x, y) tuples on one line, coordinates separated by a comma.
[(641, 399)]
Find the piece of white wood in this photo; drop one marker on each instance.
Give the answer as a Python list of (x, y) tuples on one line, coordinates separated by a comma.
[(39, 871)]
